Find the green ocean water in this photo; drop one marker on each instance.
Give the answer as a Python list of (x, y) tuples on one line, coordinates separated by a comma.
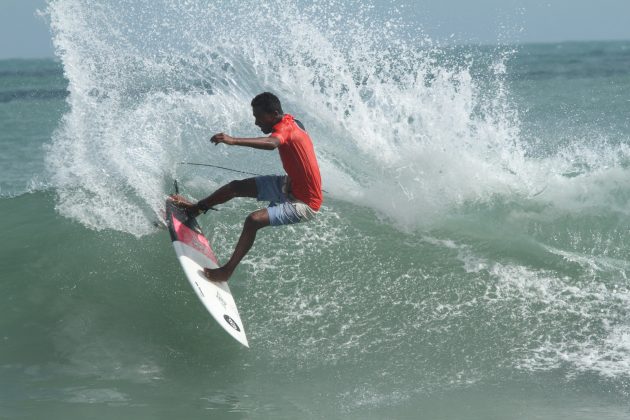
[(470, 261)]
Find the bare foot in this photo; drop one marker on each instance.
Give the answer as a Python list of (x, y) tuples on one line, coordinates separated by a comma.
[(217, 274), (179, 200), (191, 209)]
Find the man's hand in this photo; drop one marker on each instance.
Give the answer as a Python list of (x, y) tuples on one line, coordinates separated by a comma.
[(265, 143), (222, 138)]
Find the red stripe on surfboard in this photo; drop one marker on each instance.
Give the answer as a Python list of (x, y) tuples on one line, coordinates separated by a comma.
[(193, 239)]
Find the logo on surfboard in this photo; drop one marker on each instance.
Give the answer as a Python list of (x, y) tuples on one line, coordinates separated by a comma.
[(232, 323), (220, 299)]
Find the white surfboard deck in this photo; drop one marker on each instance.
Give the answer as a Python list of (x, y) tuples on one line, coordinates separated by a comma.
[(194, 254)]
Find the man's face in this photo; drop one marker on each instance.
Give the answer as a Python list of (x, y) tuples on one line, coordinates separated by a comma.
[(265, 120)]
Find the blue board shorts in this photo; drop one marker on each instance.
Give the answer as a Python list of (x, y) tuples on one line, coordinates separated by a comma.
[(284, 209)]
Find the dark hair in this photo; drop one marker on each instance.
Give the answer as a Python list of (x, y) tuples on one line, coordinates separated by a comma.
[(267, 102)]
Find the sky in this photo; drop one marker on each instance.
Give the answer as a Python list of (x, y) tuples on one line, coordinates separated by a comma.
[(25, 34), (523, 21)]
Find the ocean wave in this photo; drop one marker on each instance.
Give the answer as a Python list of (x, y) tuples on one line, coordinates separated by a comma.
[(32, 94)]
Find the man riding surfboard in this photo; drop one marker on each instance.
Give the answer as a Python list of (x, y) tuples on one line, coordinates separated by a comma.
[(294, 198)]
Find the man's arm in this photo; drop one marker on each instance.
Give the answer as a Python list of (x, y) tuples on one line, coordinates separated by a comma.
[(265, 143)]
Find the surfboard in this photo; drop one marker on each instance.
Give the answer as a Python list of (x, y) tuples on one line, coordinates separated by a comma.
[(194, 254)]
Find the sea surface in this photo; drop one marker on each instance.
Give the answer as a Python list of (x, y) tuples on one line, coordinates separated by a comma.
[(471, 260)]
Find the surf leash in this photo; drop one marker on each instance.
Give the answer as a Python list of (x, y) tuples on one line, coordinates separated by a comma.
[(226, 169), (219, 167)]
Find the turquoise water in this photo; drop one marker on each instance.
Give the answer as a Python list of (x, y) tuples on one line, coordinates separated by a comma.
[(471, 260)]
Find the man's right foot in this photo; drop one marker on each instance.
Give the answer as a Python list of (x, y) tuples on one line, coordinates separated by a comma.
[(217, 274)]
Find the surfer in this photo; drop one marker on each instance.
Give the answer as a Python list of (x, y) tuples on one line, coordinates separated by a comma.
[(294, 197)]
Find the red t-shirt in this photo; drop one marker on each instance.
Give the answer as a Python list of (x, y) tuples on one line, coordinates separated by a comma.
[(299, 161)]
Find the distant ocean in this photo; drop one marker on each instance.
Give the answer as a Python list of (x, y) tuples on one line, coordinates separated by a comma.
[(471, 261)]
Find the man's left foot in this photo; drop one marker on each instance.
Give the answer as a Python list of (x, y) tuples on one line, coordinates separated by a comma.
[(217, 274)]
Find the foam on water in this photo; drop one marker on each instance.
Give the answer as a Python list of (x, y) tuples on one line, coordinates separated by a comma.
[(392, 115), (385, 115)]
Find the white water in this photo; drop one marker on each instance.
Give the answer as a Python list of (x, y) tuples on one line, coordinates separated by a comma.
[(393, 129), (398, 125)]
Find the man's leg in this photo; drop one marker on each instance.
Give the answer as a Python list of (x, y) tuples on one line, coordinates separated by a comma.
[(242, 188), (255, 221)]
